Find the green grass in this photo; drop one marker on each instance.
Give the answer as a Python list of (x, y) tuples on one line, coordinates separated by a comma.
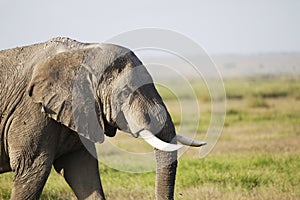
[(262, 87), (256, 157), (243, 172)]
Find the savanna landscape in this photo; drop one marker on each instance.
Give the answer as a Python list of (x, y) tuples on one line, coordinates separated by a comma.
[(256, 157), (252, 46)]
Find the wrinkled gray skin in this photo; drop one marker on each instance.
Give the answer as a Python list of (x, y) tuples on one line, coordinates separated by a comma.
[(38, 128)]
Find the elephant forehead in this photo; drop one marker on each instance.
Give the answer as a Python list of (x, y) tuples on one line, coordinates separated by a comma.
[(135, 78), (100, 57), (116, 50)]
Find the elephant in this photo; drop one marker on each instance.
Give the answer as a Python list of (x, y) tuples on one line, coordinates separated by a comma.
[(61, 96)]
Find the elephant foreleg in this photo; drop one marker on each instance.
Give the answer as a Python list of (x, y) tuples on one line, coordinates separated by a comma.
[(31, 143), (80, 170), (29, 181)]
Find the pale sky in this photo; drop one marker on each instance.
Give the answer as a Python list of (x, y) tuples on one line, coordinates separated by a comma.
[(220, 26)]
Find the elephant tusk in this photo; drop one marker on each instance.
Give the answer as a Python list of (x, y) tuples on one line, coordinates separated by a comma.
[(189, 142), (157, 143)]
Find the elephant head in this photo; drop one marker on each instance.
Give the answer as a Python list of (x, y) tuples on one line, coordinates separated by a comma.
[(98, 89)]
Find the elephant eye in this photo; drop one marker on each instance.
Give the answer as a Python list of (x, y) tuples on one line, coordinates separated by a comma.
[(125, 92)]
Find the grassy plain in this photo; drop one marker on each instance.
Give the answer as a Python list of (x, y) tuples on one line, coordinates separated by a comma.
[(256, 157)]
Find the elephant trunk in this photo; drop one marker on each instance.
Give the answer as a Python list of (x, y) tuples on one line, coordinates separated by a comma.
[(154, 124), (166, 164)]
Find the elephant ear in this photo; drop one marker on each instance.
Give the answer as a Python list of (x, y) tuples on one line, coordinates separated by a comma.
[(66, 89)]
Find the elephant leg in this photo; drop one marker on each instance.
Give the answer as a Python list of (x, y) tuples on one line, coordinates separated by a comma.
[(29, 182), (31, 150), (80, 170)]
